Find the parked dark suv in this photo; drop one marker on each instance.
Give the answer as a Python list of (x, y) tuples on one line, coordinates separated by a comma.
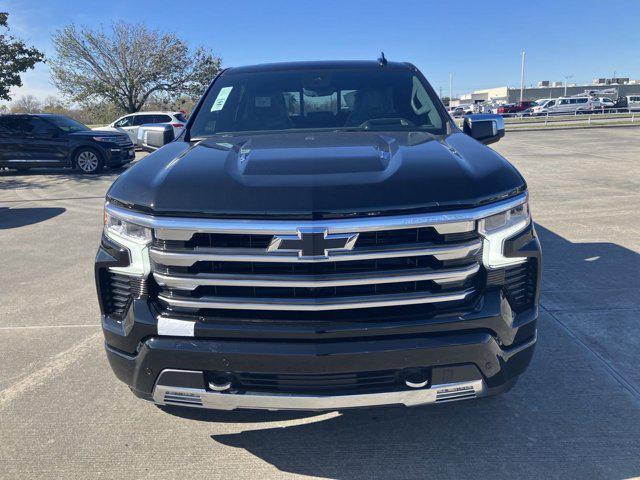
[(44, 140), (319, 236)]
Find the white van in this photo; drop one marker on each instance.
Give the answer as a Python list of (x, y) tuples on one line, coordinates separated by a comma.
[(541, 105), (633, 103), (571, 105)]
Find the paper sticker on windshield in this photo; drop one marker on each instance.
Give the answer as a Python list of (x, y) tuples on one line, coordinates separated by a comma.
[(263, 102), (221, 99)]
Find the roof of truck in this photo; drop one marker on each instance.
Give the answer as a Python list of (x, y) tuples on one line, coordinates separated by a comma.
[(317, 65)]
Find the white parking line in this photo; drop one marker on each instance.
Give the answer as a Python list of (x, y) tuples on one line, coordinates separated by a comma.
[(60, 363), (37, 327)]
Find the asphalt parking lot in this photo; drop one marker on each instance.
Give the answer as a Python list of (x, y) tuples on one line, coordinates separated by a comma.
[(575, 413)]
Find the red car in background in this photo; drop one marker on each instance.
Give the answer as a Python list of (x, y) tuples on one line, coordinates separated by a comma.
[(515, 107)]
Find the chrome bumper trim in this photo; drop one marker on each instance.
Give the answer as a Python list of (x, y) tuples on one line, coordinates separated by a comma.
[(191, 282), (200, 398)]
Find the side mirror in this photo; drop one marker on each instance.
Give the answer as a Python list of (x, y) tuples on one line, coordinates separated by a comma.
[(154, 136), (485, 127)]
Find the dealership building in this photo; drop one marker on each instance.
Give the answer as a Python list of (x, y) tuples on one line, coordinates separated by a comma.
[(611, 87)]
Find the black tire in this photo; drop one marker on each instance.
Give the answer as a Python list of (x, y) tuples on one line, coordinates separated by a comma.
[(88, 161)]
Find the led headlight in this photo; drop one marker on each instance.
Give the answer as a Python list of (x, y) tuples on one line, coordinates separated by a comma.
[(135, 238), (118, 228), (498, 228), (106, 139)]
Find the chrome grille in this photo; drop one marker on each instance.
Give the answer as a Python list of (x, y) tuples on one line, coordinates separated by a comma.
[(124, 141), (391, 265)]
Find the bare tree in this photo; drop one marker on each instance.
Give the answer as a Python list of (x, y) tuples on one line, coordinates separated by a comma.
[(127, 64), (26, 104), (53, 104), (15, 58)]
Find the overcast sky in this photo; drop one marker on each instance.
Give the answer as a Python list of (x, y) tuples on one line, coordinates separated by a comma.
[(478, 42)]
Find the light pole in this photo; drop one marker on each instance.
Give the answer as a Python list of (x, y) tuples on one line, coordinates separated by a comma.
[(566, 77), (450, 87), (522, 78)]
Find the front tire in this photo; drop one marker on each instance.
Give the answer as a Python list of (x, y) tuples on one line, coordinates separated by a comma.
[(88, 161)]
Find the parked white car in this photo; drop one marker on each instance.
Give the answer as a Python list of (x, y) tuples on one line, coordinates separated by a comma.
[(461, 110), (131, 123), (602, 104)]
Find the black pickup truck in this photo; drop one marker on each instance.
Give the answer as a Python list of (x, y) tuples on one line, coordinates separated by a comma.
[(320, 235)]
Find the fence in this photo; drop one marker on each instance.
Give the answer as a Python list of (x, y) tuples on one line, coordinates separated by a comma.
[(601, 116)]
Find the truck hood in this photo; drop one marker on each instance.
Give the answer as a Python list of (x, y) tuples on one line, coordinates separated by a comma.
[(316, 175)]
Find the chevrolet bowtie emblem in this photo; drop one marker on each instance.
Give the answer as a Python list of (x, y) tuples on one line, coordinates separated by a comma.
[(313, 242)]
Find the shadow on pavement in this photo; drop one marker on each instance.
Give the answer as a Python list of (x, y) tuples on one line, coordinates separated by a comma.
[(568, 417), (21, 217), (64, 172), (236, 416)]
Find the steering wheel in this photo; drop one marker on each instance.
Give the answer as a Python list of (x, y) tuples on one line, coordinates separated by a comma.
[(381, 122)]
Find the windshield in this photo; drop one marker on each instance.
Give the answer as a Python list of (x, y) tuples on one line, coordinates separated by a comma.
[(334, 99), (67, 124)]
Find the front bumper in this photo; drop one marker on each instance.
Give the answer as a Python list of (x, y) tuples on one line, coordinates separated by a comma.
[(446, 384), (469, 355), (116, 156)]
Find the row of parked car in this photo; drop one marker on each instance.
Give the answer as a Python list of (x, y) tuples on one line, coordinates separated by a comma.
[(553, 106), (46, 140)]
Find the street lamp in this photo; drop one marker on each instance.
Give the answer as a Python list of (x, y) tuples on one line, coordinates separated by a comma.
[(566, 77)]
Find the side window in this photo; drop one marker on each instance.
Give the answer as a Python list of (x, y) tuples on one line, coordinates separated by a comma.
[(564, 101), (292, 101), (422, 106), (10, 126), (582, 100), (162, 119), (143, 119), (551, 103), (140, 120), (347, 99), (36, 127), (124, 122)]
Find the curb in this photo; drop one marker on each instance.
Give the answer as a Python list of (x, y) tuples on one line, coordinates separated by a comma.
[(578, 127)]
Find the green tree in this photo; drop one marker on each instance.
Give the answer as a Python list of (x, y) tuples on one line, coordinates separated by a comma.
[(128, 64), (15, 58)]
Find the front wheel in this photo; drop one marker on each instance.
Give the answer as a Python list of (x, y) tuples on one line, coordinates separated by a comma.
[(88, 161)]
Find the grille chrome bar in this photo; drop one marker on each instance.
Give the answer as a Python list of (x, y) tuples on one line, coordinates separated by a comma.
[(191, 282), (314, 304), (189, 257)]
